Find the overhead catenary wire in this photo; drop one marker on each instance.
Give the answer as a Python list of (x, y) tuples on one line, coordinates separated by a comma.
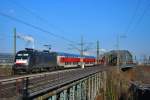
[(128, 28), (44, 20), (133, 16), (34, 27), (36, 15), (41, 19), (142, 15)]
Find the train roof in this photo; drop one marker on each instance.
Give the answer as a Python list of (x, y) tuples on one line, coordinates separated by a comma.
[(73, 55), (58, 53)]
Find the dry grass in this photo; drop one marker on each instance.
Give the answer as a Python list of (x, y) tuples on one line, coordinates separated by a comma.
[(118, 84), (140, 74), (5, 70), (99, 97)]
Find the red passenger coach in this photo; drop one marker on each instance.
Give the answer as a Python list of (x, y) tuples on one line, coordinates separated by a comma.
[(89, 60), (74, 60), (63, 59)]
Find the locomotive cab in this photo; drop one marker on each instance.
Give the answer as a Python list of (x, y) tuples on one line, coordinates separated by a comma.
[(22, 61)]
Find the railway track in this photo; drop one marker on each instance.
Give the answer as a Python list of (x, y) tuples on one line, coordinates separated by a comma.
[(12, 77), (32, 85)]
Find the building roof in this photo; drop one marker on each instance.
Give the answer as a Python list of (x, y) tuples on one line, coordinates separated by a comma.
[(121, 52)]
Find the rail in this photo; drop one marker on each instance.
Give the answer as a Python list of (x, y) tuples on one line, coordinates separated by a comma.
[(32, 85)]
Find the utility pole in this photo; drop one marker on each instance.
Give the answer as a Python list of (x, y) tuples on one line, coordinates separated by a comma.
[(118, 54), (135, 59), (14, 42), (81, 52), (149, 60), (81, 49), (97, 52)]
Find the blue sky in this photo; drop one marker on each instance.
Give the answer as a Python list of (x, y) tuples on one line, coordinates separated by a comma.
[(95, 20)]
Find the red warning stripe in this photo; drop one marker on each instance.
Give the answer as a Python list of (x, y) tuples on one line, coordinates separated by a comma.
[(88, 60), (63, 59)]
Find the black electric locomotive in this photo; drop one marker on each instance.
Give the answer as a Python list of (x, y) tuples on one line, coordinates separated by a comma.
[(30, 60)]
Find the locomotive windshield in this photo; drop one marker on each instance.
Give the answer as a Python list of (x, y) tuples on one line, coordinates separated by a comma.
[(22, 55)]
